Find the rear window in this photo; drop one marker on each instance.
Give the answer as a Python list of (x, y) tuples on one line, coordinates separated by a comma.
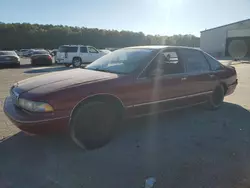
[(40, 52), (7, 53), (67, 49)]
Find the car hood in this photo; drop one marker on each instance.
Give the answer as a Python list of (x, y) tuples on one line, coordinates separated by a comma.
[(105, 51), (60, 80)]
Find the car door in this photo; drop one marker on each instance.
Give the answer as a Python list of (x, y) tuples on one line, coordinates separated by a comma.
[(161, 85), (93, 53), (200, 80), (84, 54)]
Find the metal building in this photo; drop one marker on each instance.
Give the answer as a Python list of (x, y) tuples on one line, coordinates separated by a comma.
[(228, 40)]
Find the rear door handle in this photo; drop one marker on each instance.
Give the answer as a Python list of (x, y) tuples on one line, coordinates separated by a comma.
[(211, 75)]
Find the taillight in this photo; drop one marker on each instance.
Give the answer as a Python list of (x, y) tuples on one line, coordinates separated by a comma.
[(49, 57)]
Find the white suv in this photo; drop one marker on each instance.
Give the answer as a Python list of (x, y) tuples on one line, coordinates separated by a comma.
[(77, 55)]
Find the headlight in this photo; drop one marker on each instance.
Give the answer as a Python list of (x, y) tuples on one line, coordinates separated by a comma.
[(34, 106)]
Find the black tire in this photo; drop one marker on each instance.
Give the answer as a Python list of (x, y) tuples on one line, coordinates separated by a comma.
[(67, 65), (17, 65), (93, 125), (76, 62), (217, 98)]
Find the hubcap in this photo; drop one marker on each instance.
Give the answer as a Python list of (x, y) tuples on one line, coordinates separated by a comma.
[(77, 63)]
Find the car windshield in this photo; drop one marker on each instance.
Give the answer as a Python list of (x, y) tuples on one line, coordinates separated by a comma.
[(122, 61), (7, 53)]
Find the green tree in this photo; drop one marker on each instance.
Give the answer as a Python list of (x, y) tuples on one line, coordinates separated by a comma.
[(25, 35)]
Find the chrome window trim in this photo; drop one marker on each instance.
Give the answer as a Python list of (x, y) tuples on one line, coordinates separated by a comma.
[(171, 99), (138, 77)]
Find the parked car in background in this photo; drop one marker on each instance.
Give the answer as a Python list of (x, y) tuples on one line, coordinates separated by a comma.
[(17, 52), (113, 49), (28, 53), (77, 55), (54, 52), (129, 82), (22, 52), (9, 58), (41, 57), (105, 51)]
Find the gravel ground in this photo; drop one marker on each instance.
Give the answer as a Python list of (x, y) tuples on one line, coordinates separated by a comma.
[(187, 148)]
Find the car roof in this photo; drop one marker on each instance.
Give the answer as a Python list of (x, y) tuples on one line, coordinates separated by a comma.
[(162, 47), (73, 45)]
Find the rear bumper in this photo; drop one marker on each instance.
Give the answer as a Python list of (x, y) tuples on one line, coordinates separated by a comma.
[(35, 123), (9, 62), (41, 62)]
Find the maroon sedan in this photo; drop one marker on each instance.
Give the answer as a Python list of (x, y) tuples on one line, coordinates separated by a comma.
[(130, 82)]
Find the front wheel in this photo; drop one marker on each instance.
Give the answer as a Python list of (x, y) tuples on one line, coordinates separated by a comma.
[(217, 98), (93, 124), (67, 65)]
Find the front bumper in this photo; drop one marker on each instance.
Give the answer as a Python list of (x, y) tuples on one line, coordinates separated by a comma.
[(231, 88), (36, 123), (41, 62)]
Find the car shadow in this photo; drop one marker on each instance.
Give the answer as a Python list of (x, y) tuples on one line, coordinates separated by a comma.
[(187, 148), (238, 62), (46, 69)]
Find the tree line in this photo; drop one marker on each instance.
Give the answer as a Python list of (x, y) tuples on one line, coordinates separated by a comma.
[(25, 35)]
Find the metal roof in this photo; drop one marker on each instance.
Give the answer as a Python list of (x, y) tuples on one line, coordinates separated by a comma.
[(225, 25)]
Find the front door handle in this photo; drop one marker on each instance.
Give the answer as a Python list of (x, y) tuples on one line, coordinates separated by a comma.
[(184, 78), (211, 75)]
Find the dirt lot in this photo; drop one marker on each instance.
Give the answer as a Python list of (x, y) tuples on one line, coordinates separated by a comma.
[(188, 148)]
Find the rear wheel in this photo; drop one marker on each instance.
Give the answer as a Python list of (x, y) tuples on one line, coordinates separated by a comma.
[(217, 98), (93, 124), (76, 62)]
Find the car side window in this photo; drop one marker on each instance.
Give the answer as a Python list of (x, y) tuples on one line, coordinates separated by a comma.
[(83, 50), (166, 63), (71, 49), (215, 65), (92, 50), (194, 60)]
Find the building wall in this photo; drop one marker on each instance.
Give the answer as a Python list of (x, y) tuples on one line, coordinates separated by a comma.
[(214, 41)]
